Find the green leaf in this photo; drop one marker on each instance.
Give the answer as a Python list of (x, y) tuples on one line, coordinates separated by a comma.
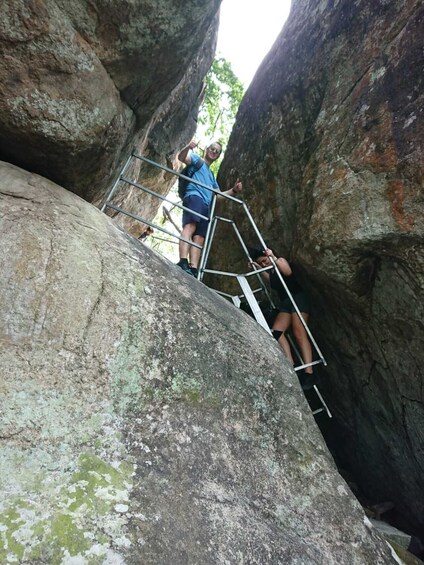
[(223, 94)]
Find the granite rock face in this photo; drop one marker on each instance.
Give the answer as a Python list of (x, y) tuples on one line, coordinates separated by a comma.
[(329, 143), (83, 83), (123, 439)]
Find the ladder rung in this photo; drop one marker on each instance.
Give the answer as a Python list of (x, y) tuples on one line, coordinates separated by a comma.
[(308, 365), (247, 292)]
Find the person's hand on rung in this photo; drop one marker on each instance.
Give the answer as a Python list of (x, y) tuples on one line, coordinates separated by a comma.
[(238, 187)]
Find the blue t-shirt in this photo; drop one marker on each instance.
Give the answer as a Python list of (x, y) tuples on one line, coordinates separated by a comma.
[(204, 175)]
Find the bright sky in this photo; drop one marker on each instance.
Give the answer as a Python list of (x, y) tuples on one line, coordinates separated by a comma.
[(247, 31)]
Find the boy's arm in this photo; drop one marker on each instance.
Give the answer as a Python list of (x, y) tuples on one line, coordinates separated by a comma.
[(184, 155)]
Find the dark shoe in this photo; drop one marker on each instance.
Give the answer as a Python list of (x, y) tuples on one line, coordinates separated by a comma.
[(185, 267), (307, 380), (194, 271)]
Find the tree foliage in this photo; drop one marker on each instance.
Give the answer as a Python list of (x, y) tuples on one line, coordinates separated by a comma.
[(223, 95)]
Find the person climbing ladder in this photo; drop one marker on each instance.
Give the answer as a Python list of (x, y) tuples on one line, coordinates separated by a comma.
[(287, 316)]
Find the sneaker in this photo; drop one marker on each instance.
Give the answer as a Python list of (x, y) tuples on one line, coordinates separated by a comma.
[(194, 271), (183, 264)]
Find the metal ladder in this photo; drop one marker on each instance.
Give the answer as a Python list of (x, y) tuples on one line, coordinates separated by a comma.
[(243, 279)]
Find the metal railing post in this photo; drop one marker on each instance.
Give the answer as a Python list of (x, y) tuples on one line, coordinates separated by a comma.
[(208, 239), (305, 325), (209, 236), (116, 183), (258, 277)]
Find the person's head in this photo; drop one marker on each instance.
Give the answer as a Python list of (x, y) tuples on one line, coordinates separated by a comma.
[(213, 150), (263, 261), (258, 255)]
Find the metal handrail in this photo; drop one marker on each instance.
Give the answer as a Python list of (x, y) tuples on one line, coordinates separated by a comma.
[(152, 225), (210, 232), (180, 175), (163, 198)]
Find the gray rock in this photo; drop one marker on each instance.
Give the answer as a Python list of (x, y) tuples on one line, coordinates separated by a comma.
[(83, 83), (391, 533), (144, 419), (329, 143)]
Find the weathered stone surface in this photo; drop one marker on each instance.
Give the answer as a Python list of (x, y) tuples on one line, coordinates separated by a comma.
[(329, 142), (144, 419), (85, 82), (392, 534)]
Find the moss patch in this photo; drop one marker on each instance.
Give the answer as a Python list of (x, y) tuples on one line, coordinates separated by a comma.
[(79, 519), (126, 369)]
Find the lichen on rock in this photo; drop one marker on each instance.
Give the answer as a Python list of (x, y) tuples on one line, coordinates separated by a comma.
[(143, 421)]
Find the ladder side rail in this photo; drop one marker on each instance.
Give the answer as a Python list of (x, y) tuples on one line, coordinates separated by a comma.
[(163, 239), (115, 184), (225, 220), (152, 225), (302, 365), (214, 272), (207, 244), (221, 293), (308, 331), (305, 325), (257, 312), (257, 271), (260, 279), (295, 349), (223, 273), (239, 296), (236, 301), (329, 414), (254, 226), (254, 306), (161, 197), (175, 173)]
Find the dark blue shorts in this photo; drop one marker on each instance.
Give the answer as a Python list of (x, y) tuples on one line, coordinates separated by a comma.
[(198, 205), (302, 302)]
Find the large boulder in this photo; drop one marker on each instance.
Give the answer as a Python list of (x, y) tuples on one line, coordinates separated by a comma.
[(144, 419), (329, 143), (83, 83)]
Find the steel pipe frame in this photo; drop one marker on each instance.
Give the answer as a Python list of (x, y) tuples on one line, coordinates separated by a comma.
[(161, 197), (172, 172), (273, 265), (223, 273), (163, 239), (308, 331), (160, 228), (207, 245), (204, 255), (115, 185), (260, 279), (208, 239)]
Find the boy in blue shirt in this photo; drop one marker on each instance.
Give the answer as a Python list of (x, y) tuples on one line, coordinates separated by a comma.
[(198, 199)]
